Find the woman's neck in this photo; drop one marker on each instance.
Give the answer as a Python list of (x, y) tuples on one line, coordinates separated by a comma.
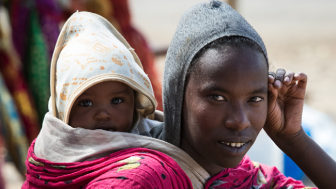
[(209, 166)]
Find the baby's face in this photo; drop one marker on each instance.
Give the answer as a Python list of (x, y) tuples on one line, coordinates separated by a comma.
[(225, 106), (108, 105)]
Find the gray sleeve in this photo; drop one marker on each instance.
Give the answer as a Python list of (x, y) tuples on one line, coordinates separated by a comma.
[(156, 132)]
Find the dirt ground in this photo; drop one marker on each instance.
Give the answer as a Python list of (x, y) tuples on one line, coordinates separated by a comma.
[(299, 35)]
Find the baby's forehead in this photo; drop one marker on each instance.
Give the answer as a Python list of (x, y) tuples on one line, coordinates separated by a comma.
[(109, 87)]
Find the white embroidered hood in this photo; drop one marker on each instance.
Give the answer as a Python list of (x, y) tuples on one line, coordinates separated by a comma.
[(89, 50)]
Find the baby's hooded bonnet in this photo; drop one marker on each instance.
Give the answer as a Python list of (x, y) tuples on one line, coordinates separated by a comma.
[(89, 51), (199, 26)]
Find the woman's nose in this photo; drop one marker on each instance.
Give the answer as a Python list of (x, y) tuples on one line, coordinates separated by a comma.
[(102, 115), (238, 119)]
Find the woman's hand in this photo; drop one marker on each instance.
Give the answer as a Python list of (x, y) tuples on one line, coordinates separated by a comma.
[(285, 104), (283, 124)]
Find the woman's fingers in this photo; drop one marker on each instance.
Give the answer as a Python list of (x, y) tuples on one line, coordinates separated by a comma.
[(279, 78), (288, 77), (302, 79)]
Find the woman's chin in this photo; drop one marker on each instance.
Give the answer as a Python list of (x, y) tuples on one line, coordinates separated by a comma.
[(230, 162)]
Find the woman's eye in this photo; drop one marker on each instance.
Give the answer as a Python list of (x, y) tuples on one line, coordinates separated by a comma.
[(217, 97), (86, 103), (116, 101), (256, 99)]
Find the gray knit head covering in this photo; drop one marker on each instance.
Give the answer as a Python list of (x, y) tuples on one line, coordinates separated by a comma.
[(199, 26)]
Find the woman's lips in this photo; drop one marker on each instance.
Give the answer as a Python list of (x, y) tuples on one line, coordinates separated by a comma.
[(234, 144), (234, 148)]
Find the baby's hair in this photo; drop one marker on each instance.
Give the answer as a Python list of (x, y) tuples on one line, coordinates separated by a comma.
[(231, 41)]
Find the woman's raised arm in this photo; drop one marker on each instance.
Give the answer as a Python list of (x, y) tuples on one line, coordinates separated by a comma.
[(283, 125)]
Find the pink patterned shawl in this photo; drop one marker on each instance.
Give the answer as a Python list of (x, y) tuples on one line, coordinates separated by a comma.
[(130, 168), (249, 174)]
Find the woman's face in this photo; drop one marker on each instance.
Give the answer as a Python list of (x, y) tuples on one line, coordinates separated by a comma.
[(225, 106)]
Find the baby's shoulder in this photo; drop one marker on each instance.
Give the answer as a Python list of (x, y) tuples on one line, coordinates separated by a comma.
[(145, 125)]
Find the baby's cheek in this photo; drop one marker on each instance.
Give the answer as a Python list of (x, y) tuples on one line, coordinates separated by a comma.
[(80, 119), (123, 119)]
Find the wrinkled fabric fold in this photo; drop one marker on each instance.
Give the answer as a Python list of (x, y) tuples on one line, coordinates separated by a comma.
[(60, 144), (124, 168)]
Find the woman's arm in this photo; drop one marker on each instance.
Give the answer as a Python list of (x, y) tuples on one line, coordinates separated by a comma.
[(283, 125), (310, 157)]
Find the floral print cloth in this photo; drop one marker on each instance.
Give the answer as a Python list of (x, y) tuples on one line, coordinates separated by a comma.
[(131, 168), (252, 175)]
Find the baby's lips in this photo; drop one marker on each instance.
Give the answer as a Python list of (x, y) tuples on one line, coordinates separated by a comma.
[(105, 127)]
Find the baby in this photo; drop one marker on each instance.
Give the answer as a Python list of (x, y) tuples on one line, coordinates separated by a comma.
[(95, 67), (98, 89)]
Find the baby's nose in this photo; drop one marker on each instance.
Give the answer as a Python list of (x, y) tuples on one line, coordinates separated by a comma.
[(102, 115)]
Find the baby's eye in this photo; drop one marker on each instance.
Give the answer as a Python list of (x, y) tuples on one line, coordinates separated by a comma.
[(256, 99), (217, 97), (85, 103), (116, 101)]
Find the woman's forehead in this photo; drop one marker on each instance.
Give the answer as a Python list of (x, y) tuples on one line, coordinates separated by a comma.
[(231, 60), (240, 71)]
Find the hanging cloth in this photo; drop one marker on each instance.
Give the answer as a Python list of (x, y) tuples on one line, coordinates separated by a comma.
[(10, 68), (16, 85), (19, 14), (2, 183), (37, 66), (13, 131), (49, 18)]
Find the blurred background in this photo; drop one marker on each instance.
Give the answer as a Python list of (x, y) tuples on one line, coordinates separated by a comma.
[(299, 36)]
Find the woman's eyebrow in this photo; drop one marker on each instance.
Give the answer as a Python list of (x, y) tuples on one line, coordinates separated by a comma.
[(262, 89), (213, 87)]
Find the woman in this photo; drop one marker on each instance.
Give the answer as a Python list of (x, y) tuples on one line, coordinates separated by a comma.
[(216, 102)]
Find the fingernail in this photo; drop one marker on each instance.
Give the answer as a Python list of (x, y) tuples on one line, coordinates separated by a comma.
[(270, 77), (286, 79), (277, 83)]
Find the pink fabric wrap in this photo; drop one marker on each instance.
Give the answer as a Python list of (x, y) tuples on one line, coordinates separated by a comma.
[(249, 174), (130, 168)]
